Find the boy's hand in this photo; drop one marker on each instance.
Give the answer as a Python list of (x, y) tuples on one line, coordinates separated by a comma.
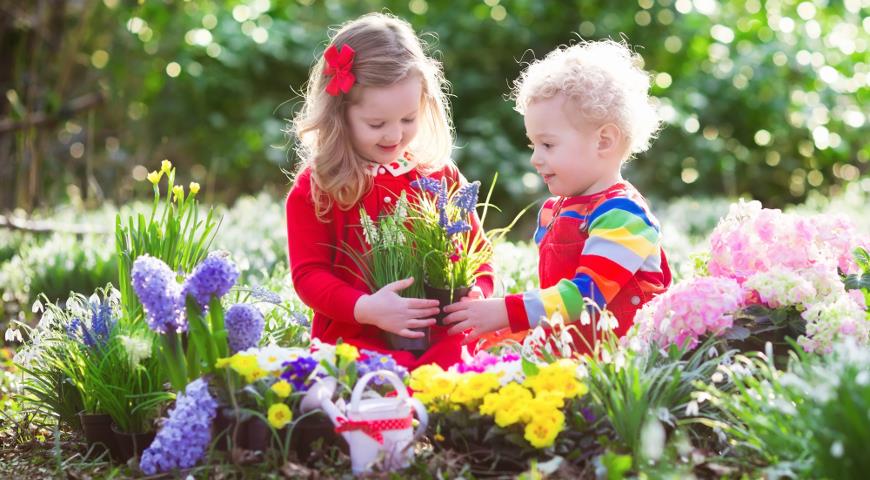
[(476, 293), (478, 316), (388, 311)]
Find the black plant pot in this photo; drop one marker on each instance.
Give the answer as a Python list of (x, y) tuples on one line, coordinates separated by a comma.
[(132, 444), (445, 297), (251, 433), (312, 429), (414, 345), (97, 428)]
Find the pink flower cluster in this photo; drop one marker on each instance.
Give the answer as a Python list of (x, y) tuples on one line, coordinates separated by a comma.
[(752, 239), (760, 255), (689, 310)]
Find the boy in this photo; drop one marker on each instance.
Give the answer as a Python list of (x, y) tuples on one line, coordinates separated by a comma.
[(586, 110)]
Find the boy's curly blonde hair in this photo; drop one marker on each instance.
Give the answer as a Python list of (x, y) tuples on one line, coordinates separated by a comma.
[(606, 82)]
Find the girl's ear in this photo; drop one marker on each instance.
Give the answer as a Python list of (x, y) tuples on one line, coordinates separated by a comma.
[(609, 138)]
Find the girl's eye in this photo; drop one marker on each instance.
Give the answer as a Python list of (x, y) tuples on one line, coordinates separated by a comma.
[(376, 126), (548, 145), (408, 120)]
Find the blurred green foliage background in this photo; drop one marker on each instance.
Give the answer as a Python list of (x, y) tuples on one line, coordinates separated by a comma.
[(767, 99)]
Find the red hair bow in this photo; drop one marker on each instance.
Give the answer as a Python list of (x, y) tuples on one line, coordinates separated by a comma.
[(339, 64)]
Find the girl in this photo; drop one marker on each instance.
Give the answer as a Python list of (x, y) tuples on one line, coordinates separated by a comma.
[(375, 118)]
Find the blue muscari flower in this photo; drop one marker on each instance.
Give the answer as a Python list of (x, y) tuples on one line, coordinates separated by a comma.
[(213, 277), (466, 197), (155, 285), (300, 319), (441, 204), (72, 328), (186, 434), (265, 295), (298, 371), (102, 321), (375, 361), (426, 184), (244, 324), (459, 226)]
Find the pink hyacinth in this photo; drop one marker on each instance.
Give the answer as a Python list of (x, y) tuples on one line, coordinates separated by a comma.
[(689, 310)]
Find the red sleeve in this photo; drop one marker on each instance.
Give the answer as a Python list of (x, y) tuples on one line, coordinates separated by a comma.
[(517, 318), (311, 258)]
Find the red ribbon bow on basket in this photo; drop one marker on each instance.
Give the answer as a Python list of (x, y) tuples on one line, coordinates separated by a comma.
[(339, 63), (373, 428)]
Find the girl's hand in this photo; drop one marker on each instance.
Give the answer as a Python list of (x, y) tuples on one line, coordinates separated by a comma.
[(390, 312), (478, 316)]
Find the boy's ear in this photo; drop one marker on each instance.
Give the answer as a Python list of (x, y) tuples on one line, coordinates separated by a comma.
[(609, 138)]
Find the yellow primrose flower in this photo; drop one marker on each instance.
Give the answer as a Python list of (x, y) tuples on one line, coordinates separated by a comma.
[(194, 188), (165, 166), (222, 362), (491, 403), (439, 437), (178, 192), (422, 375), (154, 177), (346, 352), (509, 413), (243, 363), (255, 374), (279, 415), (442, 384), (541, 434), (282, 388)]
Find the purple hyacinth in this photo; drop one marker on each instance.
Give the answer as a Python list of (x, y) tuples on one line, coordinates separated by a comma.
[(244, 325), (213, 277), (457, 227), (466, 198), (155, 285), (186, 433), (373, 361), (298, 371), (426, 184)]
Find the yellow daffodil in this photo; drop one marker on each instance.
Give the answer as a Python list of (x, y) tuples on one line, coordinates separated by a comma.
[(178, 192), (279, 415), (346, 352), (222, 362), (154, 177), (282, 388), (165, 166), (194, 188)]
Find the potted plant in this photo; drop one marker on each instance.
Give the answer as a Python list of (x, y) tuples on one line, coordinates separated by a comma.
[(449, 251)]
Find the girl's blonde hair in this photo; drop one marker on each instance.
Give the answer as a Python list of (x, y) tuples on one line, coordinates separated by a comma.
[(387, 51), (606, 82)]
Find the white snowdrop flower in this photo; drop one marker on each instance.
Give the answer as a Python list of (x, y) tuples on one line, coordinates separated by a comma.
[(717, 377), (13, 335), (692, 409)]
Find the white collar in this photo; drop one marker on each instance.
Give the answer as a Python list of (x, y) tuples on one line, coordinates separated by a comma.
[(399, 166)]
